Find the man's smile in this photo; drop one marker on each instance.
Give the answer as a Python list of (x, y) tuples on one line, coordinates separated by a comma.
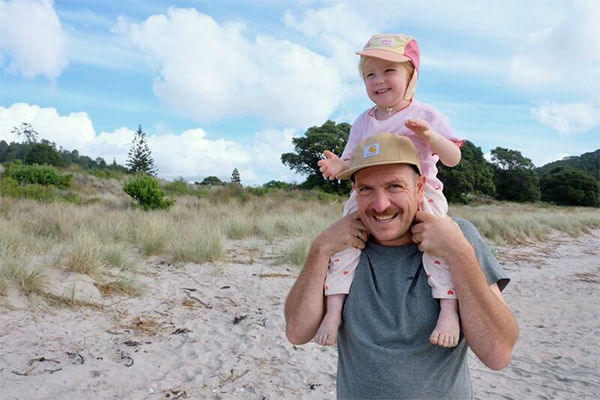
[(385, 219)]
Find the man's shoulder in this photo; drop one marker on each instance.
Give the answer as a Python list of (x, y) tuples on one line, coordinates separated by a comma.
[(466, 226)]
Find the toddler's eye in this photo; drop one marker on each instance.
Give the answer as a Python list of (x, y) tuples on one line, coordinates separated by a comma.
[(370, 75), (390, 70)]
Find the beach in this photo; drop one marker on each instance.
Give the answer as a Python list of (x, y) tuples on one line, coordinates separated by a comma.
[(216, 331)]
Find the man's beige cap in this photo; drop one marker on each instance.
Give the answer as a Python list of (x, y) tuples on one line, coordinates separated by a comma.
[(382, 149)]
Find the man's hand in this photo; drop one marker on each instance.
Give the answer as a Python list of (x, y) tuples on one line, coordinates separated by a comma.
[(305, 305), (342, 234), (332, 166), (440, 236)]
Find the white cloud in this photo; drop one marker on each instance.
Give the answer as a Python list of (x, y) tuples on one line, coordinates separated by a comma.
[(211, 71), (75, 129), (566, 55), (339, 30), (191, 154), (32, 38), (568, 118)]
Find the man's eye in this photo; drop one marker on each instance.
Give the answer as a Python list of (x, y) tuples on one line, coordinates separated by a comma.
[(396, 187), (363, 190)]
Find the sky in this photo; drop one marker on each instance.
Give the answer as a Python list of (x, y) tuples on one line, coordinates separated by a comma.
[(219, 85)]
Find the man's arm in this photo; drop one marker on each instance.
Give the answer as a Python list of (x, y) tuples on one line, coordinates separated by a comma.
[(305, 305), (487, 323)]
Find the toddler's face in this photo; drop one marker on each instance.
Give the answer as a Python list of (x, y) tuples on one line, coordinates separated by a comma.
[(385, 81)]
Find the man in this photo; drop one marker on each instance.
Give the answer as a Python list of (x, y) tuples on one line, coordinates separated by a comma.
[(383, 344)]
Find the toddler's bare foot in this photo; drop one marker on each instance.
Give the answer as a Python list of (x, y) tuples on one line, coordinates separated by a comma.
[(327, 333), (447, 330)]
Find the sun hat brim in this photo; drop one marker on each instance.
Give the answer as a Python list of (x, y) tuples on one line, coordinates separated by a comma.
[(384, 55)]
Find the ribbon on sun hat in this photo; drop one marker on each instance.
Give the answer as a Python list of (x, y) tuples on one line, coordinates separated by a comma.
[(396, 48), (382, 149)]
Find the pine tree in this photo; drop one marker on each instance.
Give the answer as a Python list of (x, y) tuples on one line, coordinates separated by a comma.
[(140, 159), (235, 177)]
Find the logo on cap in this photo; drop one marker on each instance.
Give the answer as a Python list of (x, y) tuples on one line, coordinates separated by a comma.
[(371, 150), (386, 42)]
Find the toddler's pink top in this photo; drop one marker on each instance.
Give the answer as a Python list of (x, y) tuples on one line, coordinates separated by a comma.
[(366, 125)]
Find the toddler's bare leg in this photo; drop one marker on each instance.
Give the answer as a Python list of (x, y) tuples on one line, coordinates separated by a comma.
[(327, 333), (447, 330)]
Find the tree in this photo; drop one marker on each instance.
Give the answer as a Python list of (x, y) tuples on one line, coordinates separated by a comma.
[(140, 159), (308, 150), (587, 162), (473, 175), (570, 187), (43, 153), (29, 134), (514, 176), (235, 177), (212, 180)]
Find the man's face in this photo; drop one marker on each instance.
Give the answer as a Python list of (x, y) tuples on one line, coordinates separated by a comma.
[(388, 197)]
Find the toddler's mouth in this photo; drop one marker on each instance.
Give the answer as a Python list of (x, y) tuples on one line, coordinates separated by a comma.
[(381, 91)]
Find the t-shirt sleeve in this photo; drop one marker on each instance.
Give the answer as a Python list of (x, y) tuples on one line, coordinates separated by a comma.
[(439, 124), (353, 140), (490, 266)]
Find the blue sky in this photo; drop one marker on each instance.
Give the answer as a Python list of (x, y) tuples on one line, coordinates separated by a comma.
[(219, 85)]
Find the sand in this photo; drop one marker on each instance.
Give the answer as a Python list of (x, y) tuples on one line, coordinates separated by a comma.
[(216, 331)]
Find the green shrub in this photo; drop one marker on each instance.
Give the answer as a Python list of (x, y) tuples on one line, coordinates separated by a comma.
[(9, 187), (106, 174), (258, 191), (44, 175), (178, 187), (278, 185), (146, 191)]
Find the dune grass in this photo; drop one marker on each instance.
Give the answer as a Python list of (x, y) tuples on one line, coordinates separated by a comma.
[(510, 223), (108, 241)]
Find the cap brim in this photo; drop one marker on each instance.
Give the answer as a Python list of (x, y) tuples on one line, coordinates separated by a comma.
[(349, 172), (384, 55)]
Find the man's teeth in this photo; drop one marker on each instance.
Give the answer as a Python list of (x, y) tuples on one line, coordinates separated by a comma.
[(384, 217)]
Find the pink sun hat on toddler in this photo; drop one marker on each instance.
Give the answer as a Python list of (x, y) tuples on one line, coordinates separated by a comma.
[(395, 48)]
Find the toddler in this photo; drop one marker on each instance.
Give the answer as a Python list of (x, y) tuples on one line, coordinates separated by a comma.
[(389, 66)]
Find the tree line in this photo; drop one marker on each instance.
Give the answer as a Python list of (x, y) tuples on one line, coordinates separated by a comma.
[(35, 150), (510, 176)]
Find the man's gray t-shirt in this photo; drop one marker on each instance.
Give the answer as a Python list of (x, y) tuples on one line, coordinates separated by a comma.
[(383, 343)]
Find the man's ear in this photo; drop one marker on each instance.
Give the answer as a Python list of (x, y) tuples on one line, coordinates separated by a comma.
[(421, 189), (421, 184)]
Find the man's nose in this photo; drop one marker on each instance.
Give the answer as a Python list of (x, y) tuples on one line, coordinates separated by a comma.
[(382, 202)]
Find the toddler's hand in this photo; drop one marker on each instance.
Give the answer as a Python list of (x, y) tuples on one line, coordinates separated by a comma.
[(331, 166), (422, 129)]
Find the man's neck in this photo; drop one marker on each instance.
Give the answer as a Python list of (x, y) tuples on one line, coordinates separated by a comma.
[(405, 240)]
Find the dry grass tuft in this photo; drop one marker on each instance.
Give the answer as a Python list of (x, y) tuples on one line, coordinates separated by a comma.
[(85, 254), (123, 285)]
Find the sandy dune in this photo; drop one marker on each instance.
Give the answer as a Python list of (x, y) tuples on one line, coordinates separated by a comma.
[(217, 331)]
